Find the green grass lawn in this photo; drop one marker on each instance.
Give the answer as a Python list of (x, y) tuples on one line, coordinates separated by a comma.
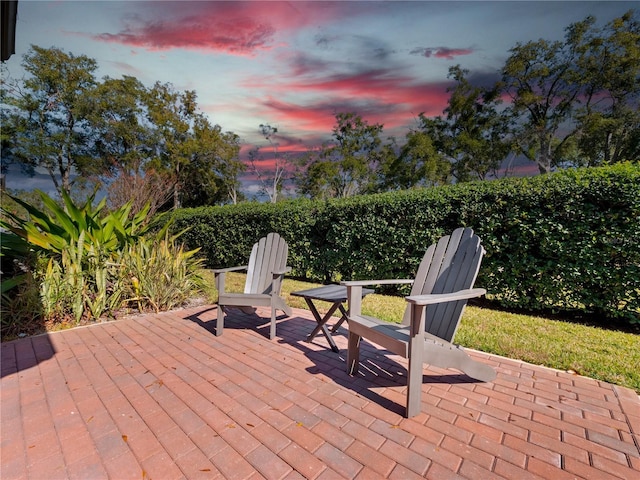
[(608, 355)]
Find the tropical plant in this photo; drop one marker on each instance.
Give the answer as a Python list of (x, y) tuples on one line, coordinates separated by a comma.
[(79, 248), (55, 230)]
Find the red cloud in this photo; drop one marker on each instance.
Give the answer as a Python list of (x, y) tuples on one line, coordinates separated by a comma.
[(319, 117), (378, 95), (383, 87), (441, 52), (238, 28), (240, 36), (315, 118)]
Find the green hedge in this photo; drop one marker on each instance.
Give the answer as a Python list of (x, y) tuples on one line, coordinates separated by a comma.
[(569, 241)]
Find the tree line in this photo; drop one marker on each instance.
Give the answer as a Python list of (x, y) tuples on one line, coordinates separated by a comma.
[(141, 143), (564, 103)]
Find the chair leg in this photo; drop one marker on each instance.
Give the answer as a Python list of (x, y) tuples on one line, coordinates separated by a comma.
[(414, 388), (220, 321), (477, 370), (414, 376), (353, 353), (272, 327), (280, 304)]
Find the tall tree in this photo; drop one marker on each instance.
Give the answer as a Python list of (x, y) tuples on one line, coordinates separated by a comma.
[(122, 136), (349, 165), (82, 130), (608, 62), (213, 165), (539, 79), (315, 175), (124, 139), (47, 114), (474, 134), (271, 179), (189, 148), (230, 166), (417, 164), (480, 132), (171, 113)]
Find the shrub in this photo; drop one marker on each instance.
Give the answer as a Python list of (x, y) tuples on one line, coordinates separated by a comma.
[(568, 241)]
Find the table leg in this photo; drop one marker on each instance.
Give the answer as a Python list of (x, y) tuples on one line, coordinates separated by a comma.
[(344, 317), (322, 327)]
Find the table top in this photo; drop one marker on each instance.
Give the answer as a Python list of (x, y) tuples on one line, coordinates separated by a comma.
[(328, 293)]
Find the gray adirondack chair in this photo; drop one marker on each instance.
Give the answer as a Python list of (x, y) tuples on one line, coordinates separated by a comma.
[(443, 284), (265, 272)]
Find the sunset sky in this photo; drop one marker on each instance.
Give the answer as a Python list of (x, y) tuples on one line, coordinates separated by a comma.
[(294, 65)]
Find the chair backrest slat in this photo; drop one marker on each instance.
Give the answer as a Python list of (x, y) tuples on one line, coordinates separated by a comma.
[(269, 254), (443, 319), (449, 265), (251, 268)]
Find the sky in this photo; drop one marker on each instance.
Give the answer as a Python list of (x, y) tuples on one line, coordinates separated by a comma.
[(295, 65)]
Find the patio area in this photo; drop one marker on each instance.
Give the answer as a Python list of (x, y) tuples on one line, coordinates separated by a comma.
[(161, 397)]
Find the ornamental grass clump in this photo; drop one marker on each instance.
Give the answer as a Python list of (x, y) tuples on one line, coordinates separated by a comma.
[(161, 274)]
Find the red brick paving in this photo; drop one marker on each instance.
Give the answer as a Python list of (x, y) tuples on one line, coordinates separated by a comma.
[(161, 397)]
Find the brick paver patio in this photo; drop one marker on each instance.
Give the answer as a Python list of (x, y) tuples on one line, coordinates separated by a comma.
[(161, 397)]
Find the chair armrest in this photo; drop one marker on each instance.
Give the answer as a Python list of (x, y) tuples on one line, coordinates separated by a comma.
[(229, 269), (354, 292), (220, 276), (445, 297), (281, 272), (362, 283)]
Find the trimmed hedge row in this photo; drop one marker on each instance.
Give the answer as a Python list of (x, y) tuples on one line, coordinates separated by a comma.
[(569, 241)]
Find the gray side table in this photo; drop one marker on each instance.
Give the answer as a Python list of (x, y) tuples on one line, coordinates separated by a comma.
[(335, 294)]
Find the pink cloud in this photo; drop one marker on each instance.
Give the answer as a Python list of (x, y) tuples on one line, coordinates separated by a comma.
[(239, 28), (380, 96), (314, 118), (383, 87), (317, 120), (241, 36), (441, 52)]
